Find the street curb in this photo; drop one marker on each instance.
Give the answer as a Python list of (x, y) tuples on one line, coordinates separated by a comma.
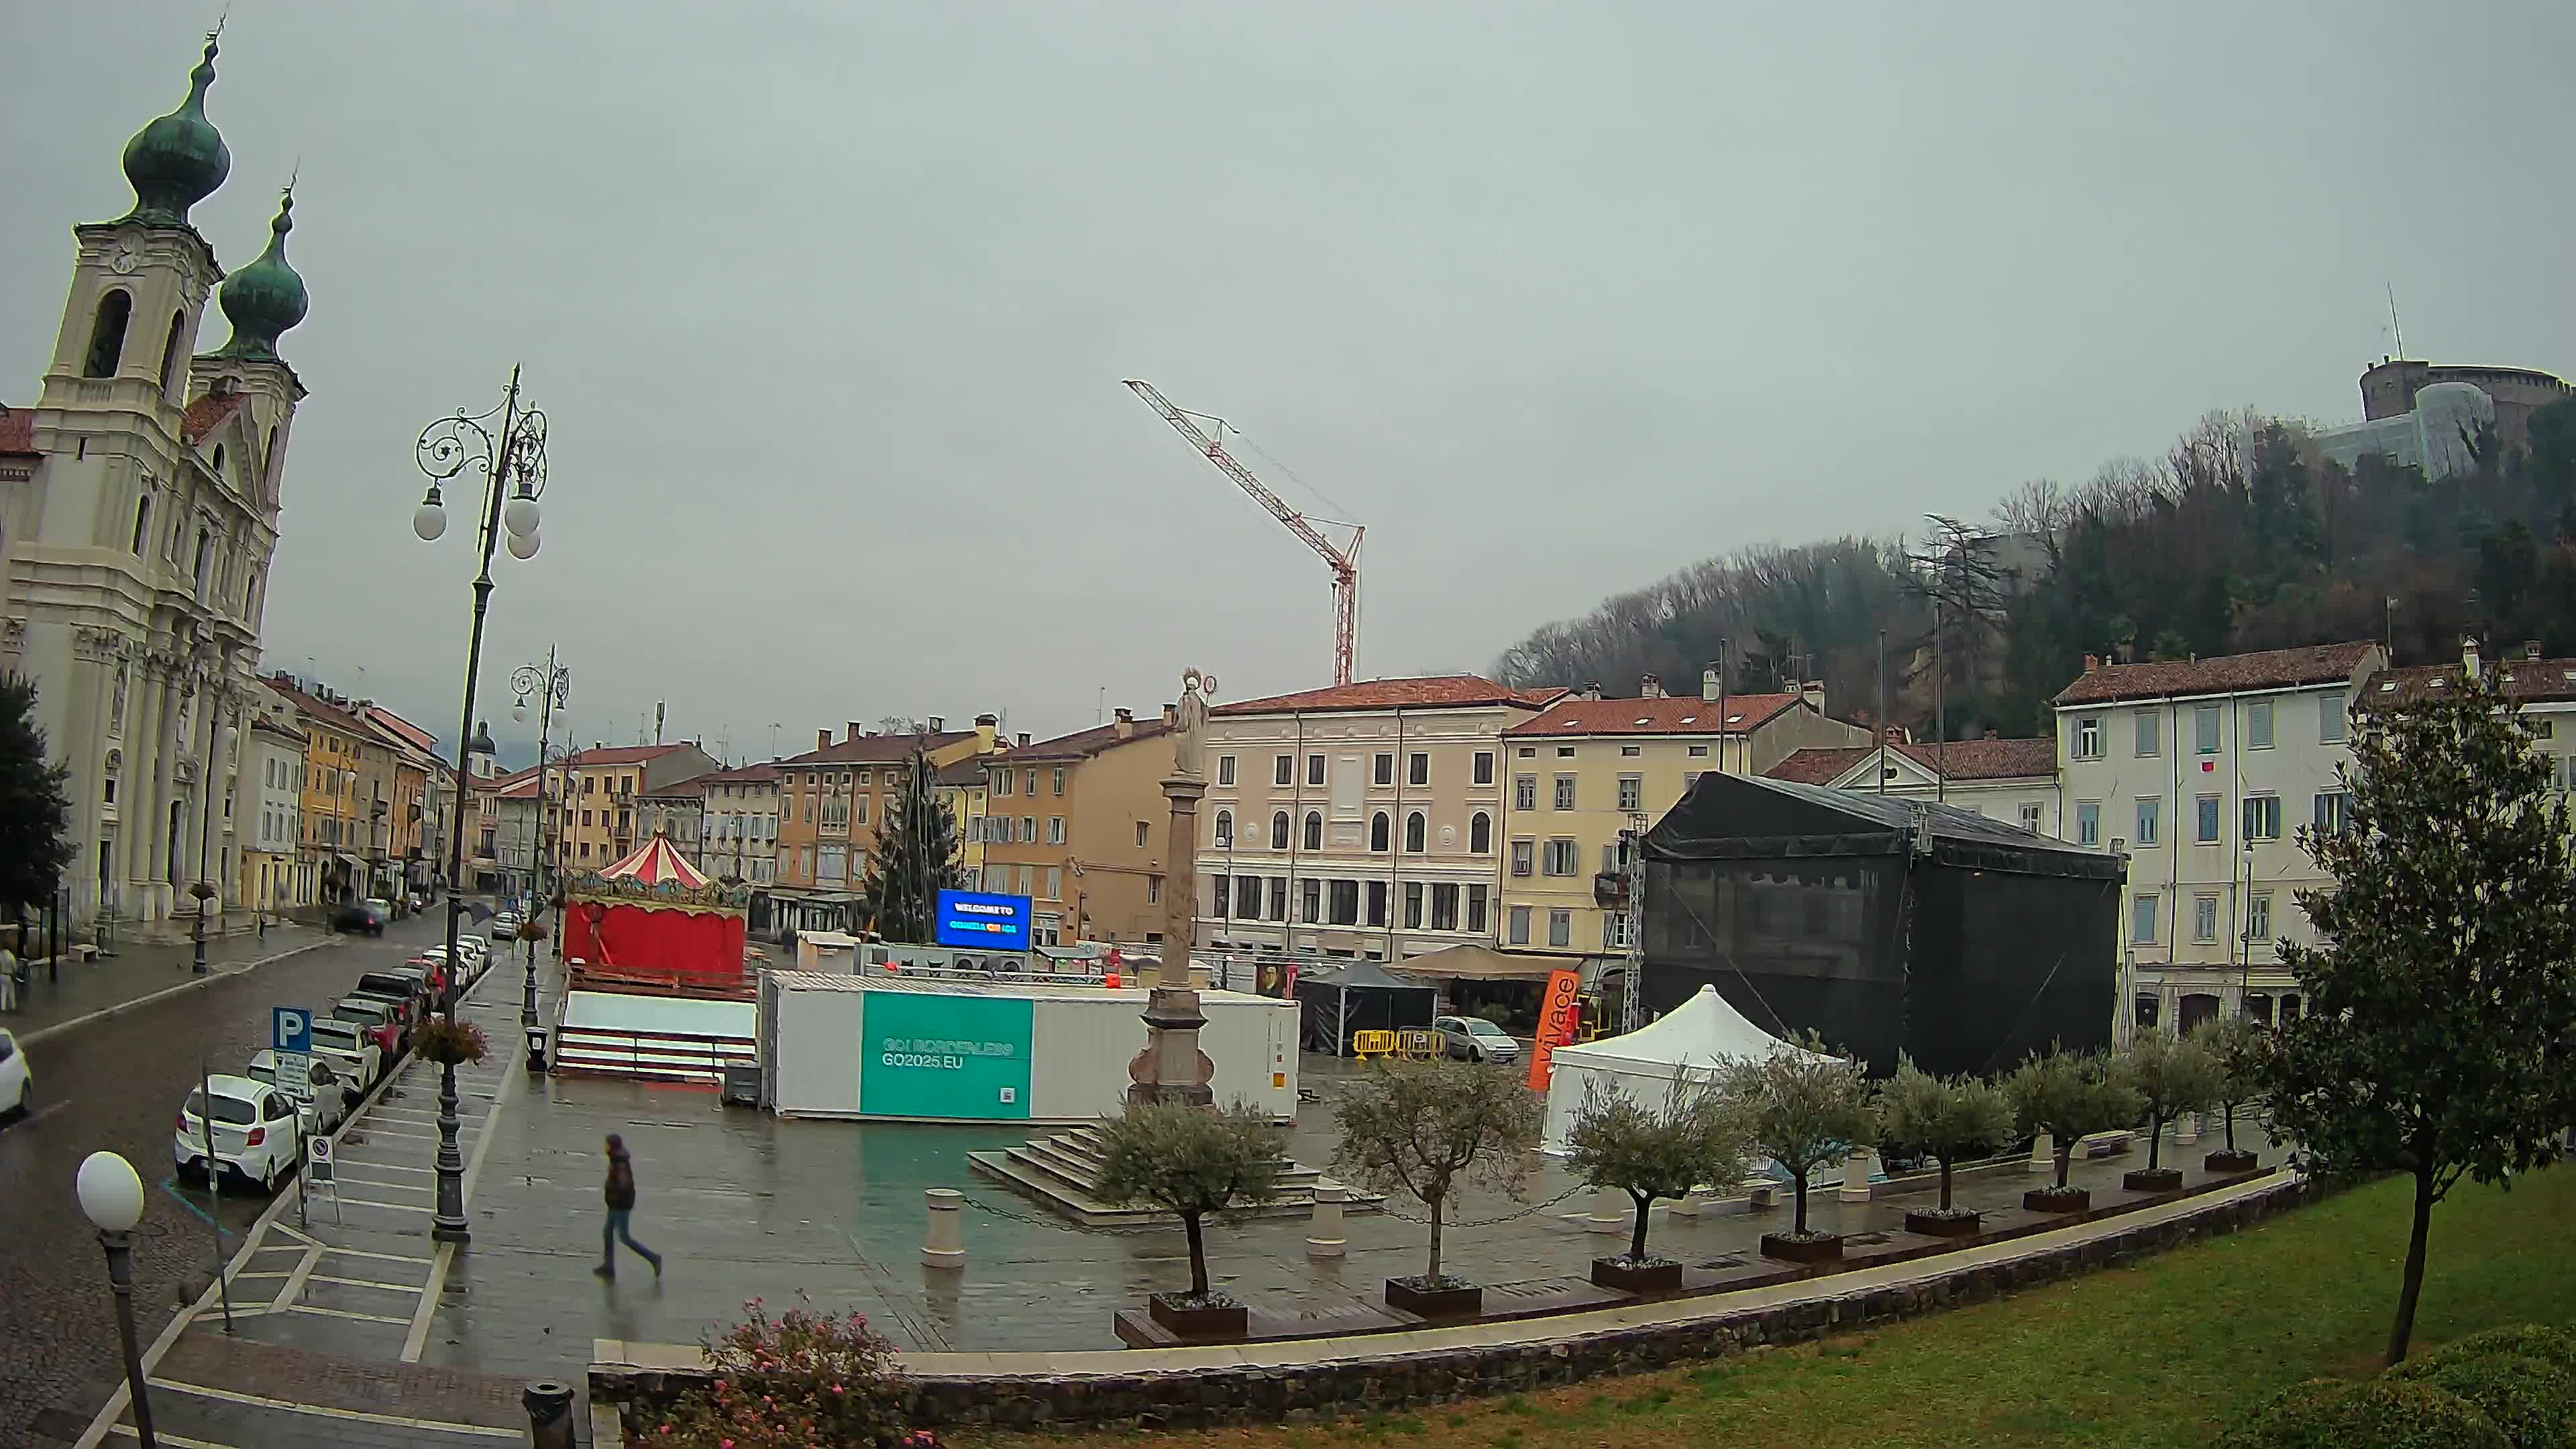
[(191, 984)]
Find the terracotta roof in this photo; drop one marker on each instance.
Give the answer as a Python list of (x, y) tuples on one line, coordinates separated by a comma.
[(1083, 744), (2225, 674), (330, 714), (208, 413), (1668, 716), (694, 785), (17, 430), (965, 774), (1440, 691), (876, 749), (2525, 679), (522, 786), (412, 734), (759, 774), (263, 722), (1959, 759), (622, 754)]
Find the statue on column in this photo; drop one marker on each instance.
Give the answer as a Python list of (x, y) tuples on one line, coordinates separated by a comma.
[(1189, 743)]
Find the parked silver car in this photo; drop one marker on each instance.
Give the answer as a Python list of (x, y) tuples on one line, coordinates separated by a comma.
[(1475, 1039)]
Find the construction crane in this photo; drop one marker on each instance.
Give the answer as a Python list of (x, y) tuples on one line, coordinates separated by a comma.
[(1344, 561)]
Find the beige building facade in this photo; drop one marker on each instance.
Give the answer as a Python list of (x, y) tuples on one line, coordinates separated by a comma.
[(1079, 824), (1362, 820)]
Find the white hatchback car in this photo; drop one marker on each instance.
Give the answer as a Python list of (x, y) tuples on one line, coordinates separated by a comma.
[(348, 1051), (255, 1135), (333, 1094), (17, 1084)]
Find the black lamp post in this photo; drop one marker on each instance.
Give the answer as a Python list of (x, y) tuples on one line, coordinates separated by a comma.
[(552, 684), (513, 463), (111, 1197)]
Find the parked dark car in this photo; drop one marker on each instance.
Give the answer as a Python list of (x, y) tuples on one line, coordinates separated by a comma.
[(358, 916), (408, 988)]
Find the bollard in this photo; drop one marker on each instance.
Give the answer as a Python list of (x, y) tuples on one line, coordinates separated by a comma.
[(1856, 1171), (1324, 1234), (1610, 1212), (2043, 1154), (945, 1244), (2186, 1129), (549, 1406)]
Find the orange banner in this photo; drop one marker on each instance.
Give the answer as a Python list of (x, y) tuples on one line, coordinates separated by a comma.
[(1557, 1016)]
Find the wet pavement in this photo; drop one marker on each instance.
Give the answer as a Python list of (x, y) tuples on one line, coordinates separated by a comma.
[(117, 1083), (72, 991)]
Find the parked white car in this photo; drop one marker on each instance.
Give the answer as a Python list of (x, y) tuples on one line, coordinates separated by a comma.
[(348, 1051), (255, 1136), (333, 1094), (17, 1084)]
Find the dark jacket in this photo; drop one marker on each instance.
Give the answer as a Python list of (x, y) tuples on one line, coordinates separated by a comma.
[(621, 1182)]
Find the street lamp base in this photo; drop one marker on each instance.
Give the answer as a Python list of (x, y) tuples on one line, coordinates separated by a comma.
[(447, 1232)]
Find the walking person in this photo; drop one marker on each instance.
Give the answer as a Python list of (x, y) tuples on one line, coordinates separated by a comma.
[(621, 1206)]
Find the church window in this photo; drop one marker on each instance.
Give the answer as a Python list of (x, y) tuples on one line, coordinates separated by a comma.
[(219, 462), (170, 349), (142, 522), (107, 334)]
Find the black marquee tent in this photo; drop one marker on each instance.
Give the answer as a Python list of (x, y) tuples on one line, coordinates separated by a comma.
[(1361, 996), (1888, 925)]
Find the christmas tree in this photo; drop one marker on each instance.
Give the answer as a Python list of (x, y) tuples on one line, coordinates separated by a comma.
[(35, 814), (915, 858)]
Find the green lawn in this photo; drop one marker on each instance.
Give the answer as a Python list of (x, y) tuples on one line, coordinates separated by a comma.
[(2159, 1353)]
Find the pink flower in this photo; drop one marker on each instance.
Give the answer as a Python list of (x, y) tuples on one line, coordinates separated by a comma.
[(724, 1444), (836, 1388)]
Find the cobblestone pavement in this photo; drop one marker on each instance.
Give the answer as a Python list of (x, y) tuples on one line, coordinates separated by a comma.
[(117, 1084), (78, 989)]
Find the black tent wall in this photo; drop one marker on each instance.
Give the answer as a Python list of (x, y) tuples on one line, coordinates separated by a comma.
[(1327, 1010)]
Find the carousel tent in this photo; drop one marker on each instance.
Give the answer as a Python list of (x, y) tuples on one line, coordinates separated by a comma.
[(1692, 1038), (654, 915), (1361, 996)]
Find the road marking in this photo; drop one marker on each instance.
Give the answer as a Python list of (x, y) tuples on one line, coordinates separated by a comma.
[(342, 1313), (380, 1257), (368, 1283), (419, 1334), (398, 1207), (175, 1440), (347, 1162), (294, 1288), (326, 1411), (246, 1277)]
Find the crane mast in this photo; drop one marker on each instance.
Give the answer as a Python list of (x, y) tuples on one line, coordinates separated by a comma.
[(1345, 562)]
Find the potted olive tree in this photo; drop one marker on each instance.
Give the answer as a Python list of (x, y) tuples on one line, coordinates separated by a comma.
[(2069, 1095), (2171, 1075), (1946, 1119), (1423, 1128), (2243, 1051), (1807, 1109), (1195, 1164), (1699, 1134)]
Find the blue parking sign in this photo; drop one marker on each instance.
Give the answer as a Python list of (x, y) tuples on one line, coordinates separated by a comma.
[(290, 1029)]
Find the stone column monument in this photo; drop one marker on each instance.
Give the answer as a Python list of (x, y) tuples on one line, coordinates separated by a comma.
[(1171, 1068)]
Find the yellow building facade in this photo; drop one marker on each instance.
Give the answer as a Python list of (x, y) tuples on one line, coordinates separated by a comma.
[(1583, 771)]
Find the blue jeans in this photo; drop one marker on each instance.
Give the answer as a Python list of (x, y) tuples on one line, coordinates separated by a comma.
[(615, 1230)]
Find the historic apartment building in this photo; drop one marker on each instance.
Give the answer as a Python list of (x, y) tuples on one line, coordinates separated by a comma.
[(738, 838), (1079, 824), (1360, 820), (2202, 771), (831, 801), (2014, 781), (348, 770), (138, 516), (600, 786), (1585, 770), (272, 815)]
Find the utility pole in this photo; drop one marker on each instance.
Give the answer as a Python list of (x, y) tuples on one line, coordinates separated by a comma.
[(1882, 711)]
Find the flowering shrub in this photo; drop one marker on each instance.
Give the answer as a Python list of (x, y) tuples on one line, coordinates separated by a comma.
[(450, 1043), (801, 1380)]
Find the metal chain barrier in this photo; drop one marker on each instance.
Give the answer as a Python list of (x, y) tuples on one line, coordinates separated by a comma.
[(1396, 1212), (1061, 1226)]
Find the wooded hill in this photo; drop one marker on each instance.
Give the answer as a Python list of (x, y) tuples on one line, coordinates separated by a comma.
[(2241, 536)]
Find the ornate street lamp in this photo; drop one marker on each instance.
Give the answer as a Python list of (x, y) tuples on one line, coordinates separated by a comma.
[(508, 445), (552, 684)]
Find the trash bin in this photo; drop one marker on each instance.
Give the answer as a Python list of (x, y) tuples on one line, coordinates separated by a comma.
[(742, 1084)]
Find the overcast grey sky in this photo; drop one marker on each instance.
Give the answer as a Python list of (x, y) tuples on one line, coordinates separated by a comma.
[(830, 302)]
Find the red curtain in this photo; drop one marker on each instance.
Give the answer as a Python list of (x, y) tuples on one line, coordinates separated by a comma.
[(701, 945)]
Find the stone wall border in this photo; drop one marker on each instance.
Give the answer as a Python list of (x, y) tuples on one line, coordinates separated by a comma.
[(1183, 1388)]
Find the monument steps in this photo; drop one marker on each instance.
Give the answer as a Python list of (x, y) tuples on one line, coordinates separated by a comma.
[(1063, 1173)]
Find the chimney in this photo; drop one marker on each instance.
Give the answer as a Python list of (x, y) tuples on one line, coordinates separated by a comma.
[(988, 728), (1023, 739), (1895, 734), (822, 739), (1708, 687), (1813, 692), (939, 724), (2092, 662), (856, 732), (1591, 691), (1171, 715), (2531, 650), (2469, 655), (1993, 734), (1125, 724), (1650, 687)]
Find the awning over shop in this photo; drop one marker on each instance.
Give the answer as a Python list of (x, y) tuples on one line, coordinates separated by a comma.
[(1483, 963), (350, 863)]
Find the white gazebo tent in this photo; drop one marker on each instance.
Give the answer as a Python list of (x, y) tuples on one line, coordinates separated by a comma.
[(1694, 1037)]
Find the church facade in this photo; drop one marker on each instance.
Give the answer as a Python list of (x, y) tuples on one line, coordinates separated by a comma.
[(138, 518)]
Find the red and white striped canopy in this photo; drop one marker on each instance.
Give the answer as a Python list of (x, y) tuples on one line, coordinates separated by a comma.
[(654, 863)]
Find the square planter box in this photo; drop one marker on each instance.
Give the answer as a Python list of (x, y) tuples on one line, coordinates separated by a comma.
[(1826, 1248), (1657, 1277), (1463, 1301), (2152, 1179), (2231, 1162), (2050, 1200), (1212, 1322), (1936, 1225)]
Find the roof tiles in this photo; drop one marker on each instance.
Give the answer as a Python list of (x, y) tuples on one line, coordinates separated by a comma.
[(1671, 715), (2224, 674), (1440, 691)]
